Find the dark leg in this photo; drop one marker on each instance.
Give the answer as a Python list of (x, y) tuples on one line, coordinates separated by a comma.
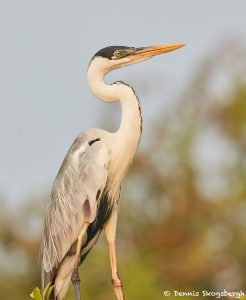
[(75, 275), (76, 284)]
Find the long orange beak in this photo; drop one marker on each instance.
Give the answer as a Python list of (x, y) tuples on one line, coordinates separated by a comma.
[(156, 50), (141, 54)]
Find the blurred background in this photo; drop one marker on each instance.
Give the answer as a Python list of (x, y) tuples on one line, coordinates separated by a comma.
[(183, 208)]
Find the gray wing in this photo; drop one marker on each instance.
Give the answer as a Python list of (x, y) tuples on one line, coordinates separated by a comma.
[(73, 202)]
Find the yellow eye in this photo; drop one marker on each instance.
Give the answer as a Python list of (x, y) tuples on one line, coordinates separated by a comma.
[(117, 54)]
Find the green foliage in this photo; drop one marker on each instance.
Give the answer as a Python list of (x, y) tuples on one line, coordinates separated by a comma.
[(37, 294)]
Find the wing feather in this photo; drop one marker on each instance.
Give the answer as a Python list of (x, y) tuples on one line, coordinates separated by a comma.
[(73, 199)]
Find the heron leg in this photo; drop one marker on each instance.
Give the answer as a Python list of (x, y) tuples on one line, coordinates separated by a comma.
[(110, 232), (75, 275), (76, 284), (117, 284)]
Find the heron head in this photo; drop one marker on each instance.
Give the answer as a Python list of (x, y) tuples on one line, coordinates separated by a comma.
[(114, 57)]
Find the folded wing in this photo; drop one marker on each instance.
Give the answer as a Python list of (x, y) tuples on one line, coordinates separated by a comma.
[(81, 179)]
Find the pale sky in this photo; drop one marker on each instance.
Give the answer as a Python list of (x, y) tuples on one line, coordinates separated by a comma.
[(45, 48)]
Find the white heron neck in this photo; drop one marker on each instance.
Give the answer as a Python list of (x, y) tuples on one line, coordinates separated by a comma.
[(127, 137), (131, 122)]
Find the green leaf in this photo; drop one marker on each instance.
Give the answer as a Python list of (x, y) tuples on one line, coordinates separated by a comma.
[(36, 294), (48, 290)]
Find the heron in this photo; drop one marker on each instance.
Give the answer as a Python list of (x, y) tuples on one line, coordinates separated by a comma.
[(85, 196)]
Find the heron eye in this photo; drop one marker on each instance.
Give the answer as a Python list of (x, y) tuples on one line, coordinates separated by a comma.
[(117, 54)]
